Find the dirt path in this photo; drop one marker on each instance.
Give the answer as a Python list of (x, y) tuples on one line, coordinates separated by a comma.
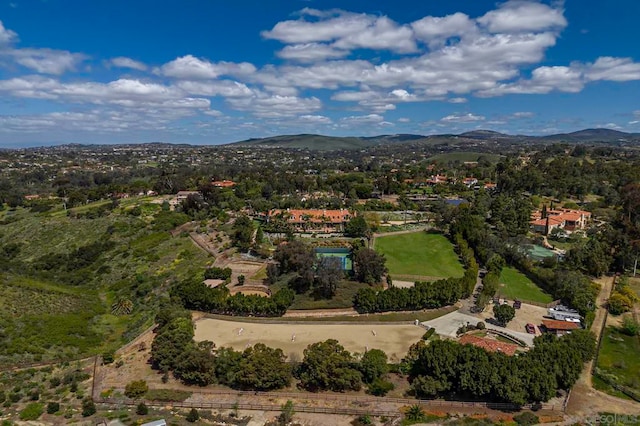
[(316, 313), (584, 399), (406, 231)]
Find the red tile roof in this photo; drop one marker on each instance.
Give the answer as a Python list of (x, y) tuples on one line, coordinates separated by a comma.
[(560, 325), (313, 216), (223, 183), (489, 345)]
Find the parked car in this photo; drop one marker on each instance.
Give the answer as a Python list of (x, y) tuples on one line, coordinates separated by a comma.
[(531, 329)]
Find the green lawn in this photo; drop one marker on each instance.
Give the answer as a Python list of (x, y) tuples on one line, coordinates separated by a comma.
[(619, 358), (420, 254), (515, 285)]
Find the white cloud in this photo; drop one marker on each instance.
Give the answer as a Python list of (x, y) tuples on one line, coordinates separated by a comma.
[(435, 29), (190, 67), (543, 80), (404, 120), (224, 88), (331, 26), (276, 106), (314, 119), (457, 100), (523, 114), (614, 69), (346, 30), (363, 119), (311, 52), (124, 62), (6, 35), (213, 113), (519, 16), (46, 61), (462, 118)]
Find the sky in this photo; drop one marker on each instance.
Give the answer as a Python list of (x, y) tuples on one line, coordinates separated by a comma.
[(217, 71)]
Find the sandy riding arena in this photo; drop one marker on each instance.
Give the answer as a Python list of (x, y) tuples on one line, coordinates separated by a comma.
[(393, 339)]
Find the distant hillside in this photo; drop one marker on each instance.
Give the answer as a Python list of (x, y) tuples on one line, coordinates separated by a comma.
[(327, 143), (594, 135)]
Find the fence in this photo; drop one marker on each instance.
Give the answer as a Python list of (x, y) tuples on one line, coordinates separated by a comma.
[(345, 399)]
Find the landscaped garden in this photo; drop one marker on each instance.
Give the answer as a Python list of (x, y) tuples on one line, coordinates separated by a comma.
[(515, 285), (419, 254)]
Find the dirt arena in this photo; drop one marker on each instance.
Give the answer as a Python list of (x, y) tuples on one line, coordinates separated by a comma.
[(393, 339)]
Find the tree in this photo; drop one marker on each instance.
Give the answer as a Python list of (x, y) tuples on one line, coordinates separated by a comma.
[(262, 368), (369, 266), (136, 389), (171, 342), (242, 233), (241, 279), (286, 413), (504, 313), (357, 227), (328, 366), (373, 365), (193, 416), (197, 366), (328, 276)]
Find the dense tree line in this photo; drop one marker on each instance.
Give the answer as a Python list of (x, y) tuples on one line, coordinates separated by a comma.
[(325, 366), (256, 368), (446, 368), (424, 295), (198, 296)]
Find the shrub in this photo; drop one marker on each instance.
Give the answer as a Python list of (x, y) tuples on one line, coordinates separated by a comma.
[(136, 389), (35, 395), (526, 419), (88, 408), (630, 327), (53, 407), (380, 387), (32, 411), (429, 333), (193, 416), (142, 409), (108, 357), (55, 382), (481, 325)]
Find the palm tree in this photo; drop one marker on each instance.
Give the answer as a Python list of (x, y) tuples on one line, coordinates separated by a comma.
[(122, 306)]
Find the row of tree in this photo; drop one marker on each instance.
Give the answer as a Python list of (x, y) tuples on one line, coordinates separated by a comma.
[(325, 366), (446, 368), (424, 295), (197, 296)]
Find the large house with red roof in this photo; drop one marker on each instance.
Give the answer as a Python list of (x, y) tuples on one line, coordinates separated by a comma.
[(313, 220), (545, 221)]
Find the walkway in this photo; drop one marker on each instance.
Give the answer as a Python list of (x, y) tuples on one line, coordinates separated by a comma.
[(584, 399)]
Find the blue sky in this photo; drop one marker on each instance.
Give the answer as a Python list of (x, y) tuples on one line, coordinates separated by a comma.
[(215, 71)]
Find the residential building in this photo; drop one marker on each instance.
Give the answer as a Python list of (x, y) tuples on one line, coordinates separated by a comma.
[(559, 328), (223, 183), (309, 220), (545, 221)]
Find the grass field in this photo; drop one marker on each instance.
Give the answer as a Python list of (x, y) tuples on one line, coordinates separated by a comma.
[(394, 339), (515, 285), (618, 357), (419, 254)]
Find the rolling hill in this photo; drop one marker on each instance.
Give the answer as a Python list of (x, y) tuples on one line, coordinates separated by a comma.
[(332, 143)]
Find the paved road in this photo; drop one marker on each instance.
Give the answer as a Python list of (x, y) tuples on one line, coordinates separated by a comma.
[(447, 325)]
